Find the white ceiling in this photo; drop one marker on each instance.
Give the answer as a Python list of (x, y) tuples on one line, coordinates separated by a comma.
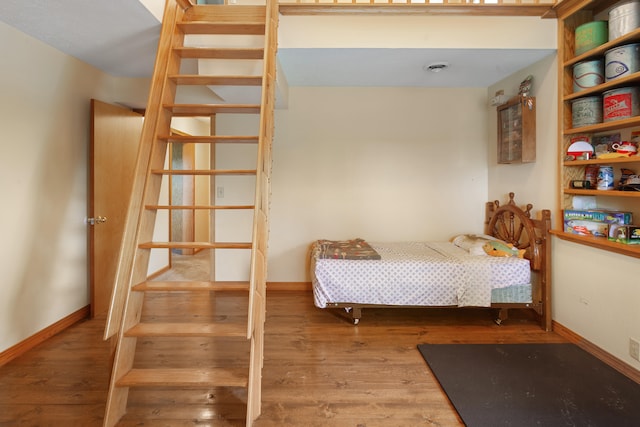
[(120, 37), (404, 67)]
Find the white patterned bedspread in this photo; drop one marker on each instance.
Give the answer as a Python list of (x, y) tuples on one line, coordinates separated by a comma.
[(416, 273)]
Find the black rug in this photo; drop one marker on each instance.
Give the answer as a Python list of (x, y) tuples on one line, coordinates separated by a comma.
[(532, 385)]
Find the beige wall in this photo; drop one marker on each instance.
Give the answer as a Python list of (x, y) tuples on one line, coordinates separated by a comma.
[(376, 163), (532, 182), (417, 31), (394, 160), (45, 110), (44, 106), (199, 126), (595, 293)]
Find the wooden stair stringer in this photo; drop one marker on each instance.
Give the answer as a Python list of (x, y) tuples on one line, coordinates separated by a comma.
[(126, 306), (258, 274), (181, 17), (147, 144)]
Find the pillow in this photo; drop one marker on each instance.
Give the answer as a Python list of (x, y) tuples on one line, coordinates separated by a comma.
[(473, 243)]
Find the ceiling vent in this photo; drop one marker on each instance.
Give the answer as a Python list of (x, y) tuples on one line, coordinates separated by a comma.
[(436, 67)]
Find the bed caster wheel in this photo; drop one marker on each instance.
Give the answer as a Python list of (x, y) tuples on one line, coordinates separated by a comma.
[(498, 321), (356, 321)]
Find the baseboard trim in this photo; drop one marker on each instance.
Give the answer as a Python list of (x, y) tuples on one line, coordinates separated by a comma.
[(596, 351), (40, 337), (288, 286)]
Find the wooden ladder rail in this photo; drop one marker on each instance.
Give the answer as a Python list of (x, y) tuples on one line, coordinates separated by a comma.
[(125, 310), (258, 273), (123, 301), (154, 115)]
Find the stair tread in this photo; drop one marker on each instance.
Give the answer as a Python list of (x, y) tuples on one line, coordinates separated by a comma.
[(207, 139), (196, 207), (177, 377), (220, 53), (227, 28), (165, 286), (179, 110), (195, 245), (204, 171), (188, 330), (208, 80)]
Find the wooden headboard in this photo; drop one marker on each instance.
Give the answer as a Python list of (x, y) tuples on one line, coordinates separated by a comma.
[(515, 225)]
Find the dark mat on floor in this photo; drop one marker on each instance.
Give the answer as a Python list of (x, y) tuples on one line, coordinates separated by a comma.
[(532, 385)]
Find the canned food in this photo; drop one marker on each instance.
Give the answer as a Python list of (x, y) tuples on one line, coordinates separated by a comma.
[(605, 178), (586, 111), (621, 103), (621, 61), (588, 74), (623, 19)]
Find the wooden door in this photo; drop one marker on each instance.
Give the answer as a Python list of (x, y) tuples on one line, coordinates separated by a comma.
[(115, 136)]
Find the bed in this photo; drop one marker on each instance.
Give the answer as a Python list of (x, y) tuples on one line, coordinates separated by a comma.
[(356, 274)]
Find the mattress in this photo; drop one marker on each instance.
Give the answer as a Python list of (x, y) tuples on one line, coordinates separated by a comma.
[(419, 274), (516, 294)]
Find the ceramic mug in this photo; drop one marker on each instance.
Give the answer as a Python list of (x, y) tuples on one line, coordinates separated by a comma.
[(624, 148)]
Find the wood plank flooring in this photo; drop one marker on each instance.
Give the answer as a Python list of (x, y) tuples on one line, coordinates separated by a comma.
[(319, 369)]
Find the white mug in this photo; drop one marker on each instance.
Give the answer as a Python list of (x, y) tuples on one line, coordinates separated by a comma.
[(624, 147)]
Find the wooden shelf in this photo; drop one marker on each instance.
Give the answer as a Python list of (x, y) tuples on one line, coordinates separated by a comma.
[(600, 243), (633, 36), (613, 84), (617, 160), (606, 193), (571, 14), (603, 127)]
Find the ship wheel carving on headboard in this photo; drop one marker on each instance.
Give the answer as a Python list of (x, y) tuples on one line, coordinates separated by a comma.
[(513, 225)]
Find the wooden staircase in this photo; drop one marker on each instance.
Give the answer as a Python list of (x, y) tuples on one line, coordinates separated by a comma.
[(132, 291)]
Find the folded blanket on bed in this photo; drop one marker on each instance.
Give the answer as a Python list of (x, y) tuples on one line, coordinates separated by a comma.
[(345, 249)]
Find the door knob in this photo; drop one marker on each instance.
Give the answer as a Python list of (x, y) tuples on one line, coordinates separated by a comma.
[(97, 220)]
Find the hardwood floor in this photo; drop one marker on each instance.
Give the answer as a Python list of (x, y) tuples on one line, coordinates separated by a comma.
[(319, 369)]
